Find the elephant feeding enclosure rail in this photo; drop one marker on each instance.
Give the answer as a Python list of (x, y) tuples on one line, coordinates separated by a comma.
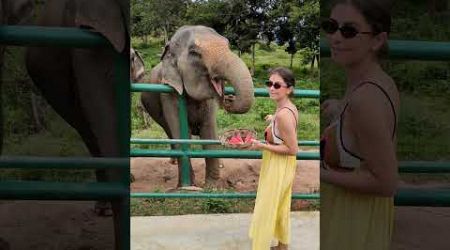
[(45, 190), (404, 197)]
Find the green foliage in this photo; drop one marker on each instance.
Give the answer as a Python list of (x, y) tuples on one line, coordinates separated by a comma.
[(208, 13), (243, 22), (216, 206), (156, 16)]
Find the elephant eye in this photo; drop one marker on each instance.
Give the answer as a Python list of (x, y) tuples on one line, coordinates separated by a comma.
[(194, 52)]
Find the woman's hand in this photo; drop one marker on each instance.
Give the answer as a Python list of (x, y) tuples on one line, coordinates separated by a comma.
[(256, 145), (268, 118)]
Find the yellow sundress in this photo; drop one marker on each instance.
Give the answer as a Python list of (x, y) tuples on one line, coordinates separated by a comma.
[(271, 216), (350, 220)]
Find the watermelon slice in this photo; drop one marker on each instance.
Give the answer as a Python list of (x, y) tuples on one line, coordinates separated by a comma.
[(249, 138), (236, 140)]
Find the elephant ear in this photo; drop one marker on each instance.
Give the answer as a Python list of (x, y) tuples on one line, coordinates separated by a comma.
[(166, 48), (169, 72), (105, 17)]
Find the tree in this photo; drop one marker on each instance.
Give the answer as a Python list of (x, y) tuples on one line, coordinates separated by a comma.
[(211, 13), (291, 49), (157, 16), (296, 24), (307, 28), (246, 22)]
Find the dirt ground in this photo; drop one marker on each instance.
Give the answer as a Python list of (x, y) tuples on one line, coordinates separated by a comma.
[(54, 225), (238, 174)]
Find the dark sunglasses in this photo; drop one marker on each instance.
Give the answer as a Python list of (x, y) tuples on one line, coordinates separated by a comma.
[(276, 85), (330, 26)]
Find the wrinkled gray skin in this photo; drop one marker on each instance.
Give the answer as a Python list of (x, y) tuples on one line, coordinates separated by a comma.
[(137, 68), (197, 61), (79, 83)]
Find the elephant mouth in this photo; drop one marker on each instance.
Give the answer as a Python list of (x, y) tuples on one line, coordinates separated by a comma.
[(218, 85)]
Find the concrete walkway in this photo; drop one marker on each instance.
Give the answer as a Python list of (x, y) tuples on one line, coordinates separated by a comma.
[(214, 232)]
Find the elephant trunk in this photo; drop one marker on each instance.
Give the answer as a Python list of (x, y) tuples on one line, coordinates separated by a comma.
[(233, 69)]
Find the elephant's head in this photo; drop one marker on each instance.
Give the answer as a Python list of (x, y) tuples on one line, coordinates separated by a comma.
[(137, 69), (198, 60)]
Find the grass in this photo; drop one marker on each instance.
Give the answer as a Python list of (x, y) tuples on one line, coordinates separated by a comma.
[(170, 206)]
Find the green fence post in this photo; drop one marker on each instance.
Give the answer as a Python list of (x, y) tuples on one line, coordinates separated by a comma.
[(184, 134), (122, 89)]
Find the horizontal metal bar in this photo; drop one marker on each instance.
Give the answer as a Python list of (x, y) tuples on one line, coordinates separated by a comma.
[(314, 196), (263, 92), (63, 162), (404, 197), (151, 87), (429, 197), (43, 190), (428, 167), (246, 154), (173, 141), (404, 166), (413, 50), (200, 142), (259, 92), (51, 36)]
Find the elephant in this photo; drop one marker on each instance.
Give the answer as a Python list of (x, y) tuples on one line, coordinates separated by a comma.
[(196, 62), (78, 83)]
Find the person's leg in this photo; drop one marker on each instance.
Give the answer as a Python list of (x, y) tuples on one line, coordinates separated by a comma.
[(267, 202), (282, 226)]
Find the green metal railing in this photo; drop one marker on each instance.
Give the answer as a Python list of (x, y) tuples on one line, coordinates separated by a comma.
[(417, 50), (408, 50), (45, 190)]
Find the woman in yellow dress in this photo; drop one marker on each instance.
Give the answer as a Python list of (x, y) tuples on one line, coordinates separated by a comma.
[(271, 217), (359, 165)]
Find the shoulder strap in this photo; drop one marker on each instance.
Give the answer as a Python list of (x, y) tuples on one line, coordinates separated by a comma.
[(387, 96), (293, 113), (345, 107)]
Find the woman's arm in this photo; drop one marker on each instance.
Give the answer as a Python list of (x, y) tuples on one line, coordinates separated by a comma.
[(370, 117), (285, 121)]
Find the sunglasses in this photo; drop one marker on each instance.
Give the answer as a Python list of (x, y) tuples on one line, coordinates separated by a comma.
[(276, 85), (330, 26)]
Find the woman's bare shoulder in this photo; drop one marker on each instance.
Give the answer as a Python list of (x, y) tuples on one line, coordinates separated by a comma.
[(288, 113)]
